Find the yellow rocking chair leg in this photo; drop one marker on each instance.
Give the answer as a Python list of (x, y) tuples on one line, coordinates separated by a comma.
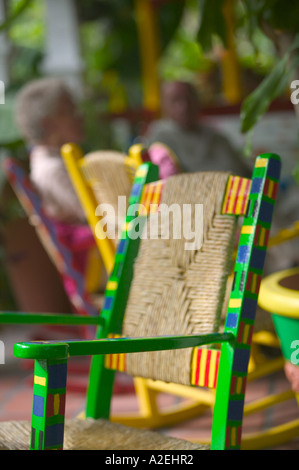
[(274, 436), (266, 402), (146, 399), (266, 368), (150, 416)]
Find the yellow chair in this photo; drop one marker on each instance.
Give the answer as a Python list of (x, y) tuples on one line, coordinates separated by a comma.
[(285, 234), (99, 178), (166, 293)]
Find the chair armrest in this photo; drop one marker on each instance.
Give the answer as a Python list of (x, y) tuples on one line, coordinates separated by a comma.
[(49, 319), (64, 349)]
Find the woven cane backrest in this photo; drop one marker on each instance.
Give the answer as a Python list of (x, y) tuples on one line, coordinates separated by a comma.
[(110, 175), (180, 291), (107, 174)]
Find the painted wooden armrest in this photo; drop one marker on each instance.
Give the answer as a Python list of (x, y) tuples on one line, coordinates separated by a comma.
[(49, 319), (64, 349)]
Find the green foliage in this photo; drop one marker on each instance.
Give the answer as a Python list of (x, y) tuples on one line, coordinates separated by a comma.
[(25, 32), (264, 16), (16, 10), (184, 56), (212, 23), (110, 41), (274, 85), (279, 14)]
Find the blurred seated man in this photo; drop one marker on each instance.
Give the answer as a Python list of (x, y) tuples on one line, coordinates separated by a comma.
[(197, 147)]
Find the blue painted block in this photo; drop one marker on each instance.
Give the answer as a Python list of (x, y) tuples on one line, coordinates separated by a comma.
[(135, 189), (249, 308), (235, 410), (107, 303), (231, 320), (38, 406), (274, 168), (243, 254), (266, 212), (256, 185), (54, 435), (57, 376), (257, 258), (241, 359), (121, 246)]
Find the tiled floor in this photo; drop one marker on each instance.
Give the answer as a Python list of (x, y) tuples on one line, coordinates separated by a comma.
[(16, 398)]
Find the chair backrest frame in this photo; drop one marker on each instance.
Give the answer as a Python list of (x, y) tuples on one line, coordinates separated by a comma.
[(74, 161), (242, 304)]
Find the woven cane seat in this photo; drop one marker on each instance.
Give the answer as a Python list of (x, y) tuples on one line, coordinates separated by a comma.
[(95, 435)]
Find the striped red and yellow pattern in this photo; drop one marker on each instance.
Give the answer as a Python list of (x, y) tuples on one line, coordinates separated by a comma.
[(205, 363), (245, 333), (115, 361), (236, 196), (253, 282), (151, 197), (261, 236)]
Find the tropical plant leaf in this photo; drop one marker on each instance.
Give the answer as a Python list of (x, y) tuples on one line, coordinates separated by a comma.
[(257, 103), (212, 23), (23, 5)]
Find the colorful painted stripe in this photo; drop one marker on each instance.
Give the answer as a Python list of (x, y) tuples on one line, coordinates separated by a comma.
[(151, 197), (253, 282), (115, 361), (248, 272), (245, 333), (233, 436), (261, 236), (205, 363), (238, 385), (236, 196), (49, 393)]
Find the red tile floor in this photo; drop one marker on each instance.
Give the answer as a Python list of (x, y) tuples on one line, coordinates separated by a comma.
[(16, 396)]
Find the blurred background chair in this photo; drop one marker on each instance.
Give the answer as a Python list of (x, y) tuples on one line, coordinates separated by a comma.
[(85, 305), (56, 247), (101, 178)]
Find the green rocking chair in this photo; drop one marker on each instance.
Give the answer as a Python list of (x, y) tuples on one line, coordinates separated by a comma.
[(162, 312)]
